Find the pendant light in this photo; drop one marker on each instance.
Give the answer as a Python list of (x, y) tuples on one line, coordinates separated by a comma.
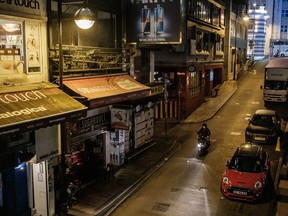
[(84, 18), (11, 27)]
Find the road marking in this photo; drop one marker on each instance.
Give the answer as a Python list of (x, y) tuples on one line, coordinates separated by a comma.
[(255, 102), (236, 133), (253, 72)]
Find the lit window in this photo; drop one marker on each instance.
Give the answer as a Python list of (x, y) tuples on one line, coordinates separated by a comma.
[(11, 47)]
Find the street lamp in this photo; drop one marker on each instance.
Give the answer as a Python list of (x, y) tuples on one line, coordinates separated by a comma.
[(84, 19), (246, 17)]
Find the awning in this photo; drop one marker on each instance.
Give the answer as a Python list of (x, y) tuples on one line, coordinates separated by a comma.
[(101, 91), (33, 106)]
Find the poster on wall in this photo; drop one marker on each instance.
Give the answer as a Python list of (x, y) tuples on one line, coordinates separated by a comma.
[(33, 55), (117, 147), (121, 118), (154, 22)]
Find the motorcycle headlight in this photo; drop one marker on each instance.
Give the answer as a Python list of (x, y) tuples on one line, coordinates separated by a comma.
[(258, 185), (225, 180)]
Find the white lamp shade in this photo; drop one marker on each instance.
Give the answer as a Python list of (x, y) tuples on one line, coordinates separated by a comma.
[(11, 27), (84, 24), (84, 18)]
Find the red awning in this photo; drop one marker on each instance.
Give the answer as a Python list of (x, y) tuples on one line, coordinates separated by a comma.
[(32, 106), (101, 91)]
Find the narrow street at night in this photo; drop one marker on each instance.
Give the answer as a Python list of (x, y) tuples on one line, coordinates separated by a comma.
[(189, 185), (143, 108)]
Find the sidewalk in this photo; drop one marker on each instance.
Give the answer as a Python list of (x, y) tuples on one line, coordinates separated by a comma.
[(208, 109), (98, 197)]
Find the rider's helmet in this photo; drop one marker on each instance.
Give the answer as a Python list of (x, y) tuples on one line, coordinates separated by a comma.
[(204, 125)]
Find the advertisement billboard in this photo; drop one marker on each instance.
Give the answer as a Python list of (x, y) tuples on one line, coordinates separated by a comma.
[(154, 21)]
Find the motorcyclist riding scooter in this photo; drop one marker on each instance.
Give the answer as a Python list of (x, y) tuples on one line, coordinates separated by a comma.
[(203, 139)]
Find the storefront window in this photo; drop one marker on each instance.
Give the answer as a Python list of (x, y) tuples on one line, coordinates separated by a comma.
[(11, 47), (194, 83)]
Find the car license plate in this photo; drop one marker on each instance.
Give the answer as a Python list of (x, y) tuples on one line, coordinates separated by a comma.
[(260, 138), (240, 192)]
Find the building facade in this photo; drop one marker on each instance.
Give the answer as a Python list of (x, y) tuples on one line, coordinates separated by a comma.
[(120, 117), (276, 26), (235, 40), (90, 98), (32, 110), (257, 32), (201, 52)]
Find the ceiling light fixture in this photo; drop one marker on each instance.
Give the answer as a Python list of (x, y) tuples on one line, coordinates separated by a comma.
[(11, 27), (84, 18)]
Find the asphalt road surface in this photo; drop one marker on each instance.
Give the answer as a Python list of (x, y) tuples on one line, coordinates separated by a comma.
[(188, 185)]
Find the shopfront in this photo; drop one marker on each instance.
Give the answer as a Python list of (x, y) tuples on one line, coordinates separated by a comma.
[(187, 87), (87, 144), (102, 137), (134, 122), (32, 110), (30, 141)]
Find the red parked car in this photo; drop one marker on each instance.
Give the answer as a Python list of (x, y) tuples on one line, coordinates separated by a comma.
[(247, 173)]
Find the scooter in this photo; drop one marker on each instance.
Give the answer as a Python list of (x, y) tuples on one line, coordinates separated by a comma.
[(203, 145)]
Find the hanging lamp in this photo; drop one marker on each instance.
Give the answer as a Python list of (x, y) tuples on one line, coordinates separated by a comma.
[(84, 18)]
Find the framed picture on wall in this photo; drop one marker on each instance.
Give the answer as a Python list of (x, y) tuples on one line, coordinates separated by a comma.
[(33, 54)]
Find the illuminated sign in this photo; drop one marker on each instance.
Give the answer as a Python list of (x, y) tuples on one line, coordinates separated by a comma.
[(154, 22), (31, 7), (181, 73)]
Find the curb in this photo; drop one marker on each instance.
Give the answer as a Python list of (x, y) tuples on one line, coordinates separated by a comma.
[(111, 205), (211, 116)]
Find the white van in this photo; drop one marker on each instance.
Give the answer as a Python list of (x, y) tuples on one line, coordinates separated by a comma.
[(276, 80)]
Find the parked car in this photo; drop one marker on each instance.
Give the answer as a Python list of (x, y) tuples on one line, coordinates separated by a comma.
[(263, 128), (246, 174), (284, 53)]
